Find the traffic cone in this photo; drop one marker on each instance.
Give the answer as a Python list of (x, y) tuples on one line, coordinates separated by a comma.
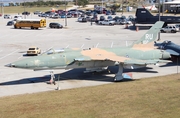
[(126, 26), (137, 28)]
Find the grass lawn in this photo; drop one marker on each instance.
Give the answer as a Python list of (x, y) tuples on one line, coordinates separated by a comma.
[(157, 97), (20, 9)]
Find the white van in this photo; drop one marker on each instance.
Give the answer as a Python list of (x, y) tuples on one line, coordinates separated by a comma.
[(17, 17)]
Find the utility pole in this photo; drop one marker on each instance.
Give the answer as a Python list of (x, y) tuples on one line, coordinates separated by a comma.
[(102, 5), (159, 9), (65, 13), (24, 10), (159, 37), (2, 8)]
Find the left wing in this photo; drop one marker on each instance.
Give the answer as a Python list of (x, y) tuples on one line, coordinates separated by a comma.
[(84, 62), (97, 57)]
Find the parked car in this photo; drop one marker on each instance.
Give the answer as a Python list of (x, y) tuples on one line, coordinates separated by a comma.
[(0, 15), (69, 15), (62, 16), (122, 21), (40, 15), (93, 19), (6, 16), (17, 17), (116, 18), (55, 16), (37, 12), (107, 22), (55, 25), (34, 51), (108, 13), (82, 19), (110, 18), (172, 29), (88, 18), (25, 13), (43, 15), (102, 18), (178, 25), (113, 13), (89, 13), (10, 23)]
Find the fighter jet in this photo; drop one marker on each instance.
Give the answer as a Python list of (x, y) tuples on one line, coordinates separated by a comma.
[(138, 55), (170, 47)]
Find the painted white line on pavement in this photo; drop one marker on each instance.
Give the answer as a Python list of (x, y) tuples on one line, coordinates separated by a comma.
[(20, 57), (9, 54)]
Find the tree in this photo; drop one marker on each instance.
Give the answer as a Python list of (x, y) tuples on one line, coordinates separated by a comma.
[(114, 7), (82, 2), (17, 4), (11, 4)]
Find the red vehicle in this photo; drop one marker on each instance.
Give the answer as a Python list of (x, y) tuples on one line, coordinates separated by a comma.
[(0, 14)]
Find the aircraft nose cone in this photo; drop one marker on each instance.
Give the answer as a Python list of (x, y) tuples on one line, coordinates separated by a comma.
[(10, 65)]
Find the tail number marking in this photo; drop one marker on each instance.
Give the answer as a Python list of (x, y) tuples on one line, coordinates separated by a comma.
[(148, 38)]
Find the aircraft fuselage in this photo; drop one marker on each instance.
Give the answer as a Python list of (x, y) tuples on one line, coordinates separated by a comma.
[(65, 60)]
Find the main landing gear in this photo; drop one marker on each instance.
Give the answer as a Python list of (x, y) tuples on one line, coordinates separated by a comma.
[(118, 75), (52, 80)]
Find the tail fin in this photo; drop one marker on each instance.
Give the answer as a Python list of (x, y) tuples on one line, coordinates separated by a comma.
[(141, 12), (151, 34), (142, 15)]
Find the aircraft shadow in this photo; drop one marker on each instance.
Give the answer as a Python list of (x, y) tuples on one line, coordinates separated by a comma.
[(170, 64), (25, 55), (139, 27), (78, 74), (25, 81)]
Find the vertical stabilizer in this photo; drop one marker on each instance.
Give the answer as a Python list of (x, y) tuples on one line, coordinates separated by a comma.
[(143, 16), (142, 12), (151, 34)]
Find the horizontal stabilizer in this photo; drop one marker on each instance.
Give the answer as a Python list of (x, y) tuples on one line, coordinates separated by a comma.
[(172, 52)]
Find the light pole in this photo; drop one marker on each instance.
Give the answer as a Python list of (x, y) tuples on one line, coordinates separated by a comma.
[(65, 14), (102, 5), (159, 10), (159, 37), (122, 6), (2, 7), (24, 10)]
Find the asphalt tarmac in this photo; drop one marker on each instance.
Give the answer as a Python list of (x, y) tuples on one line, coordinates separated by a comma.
[(15, 42)]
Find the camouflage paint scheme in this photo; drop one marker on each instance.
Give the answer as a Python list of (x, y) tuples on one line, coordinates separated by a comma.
[(137, 55)]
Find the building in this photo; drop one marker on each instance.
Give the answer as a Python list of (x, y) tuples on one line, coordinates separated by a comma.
[(172, 6)]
